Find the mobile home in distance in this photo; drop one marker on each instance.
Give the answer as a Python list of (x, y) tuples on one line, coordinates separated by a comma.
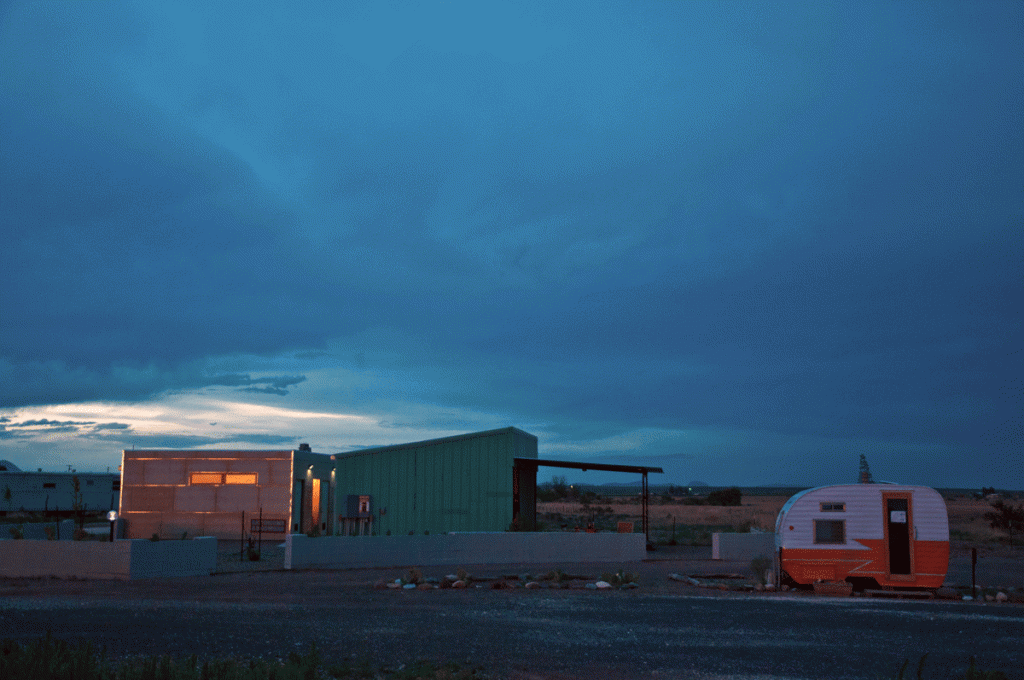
[(872, 535)]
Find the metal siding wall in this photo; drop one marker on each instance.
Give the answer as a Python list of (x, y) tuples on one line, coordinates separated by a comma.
[(462, 484)]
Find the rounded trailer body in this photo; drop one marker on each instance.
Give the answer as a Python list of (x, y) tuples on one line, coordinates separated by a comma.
[(897, 535)]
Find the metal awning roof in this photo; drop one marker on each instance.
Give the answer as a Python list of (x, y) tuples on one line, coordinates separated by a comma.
[(604, 467)]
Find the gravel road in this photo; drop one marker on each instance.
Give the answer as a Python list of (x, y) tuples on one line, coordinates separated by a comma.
[(664, 630)]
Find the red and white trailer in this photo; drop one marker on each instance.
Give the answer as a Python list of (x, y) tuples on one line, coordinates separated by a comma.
[(896, 535)]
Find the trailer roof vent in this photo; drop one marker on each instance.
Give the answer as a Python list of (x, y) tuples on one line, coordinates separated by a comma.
[(304, 447)]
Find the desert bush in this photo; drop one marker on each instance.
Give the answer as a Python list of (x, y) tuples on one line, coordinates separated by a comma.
[(1006, 517), (52, 658), (759, 566), (621, 577), (726, 497), (17, 533), (972, 672), (51, 532)]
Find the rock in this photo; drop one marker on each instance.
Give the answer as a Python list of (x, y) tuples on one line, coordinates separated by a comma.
[(532, 585), (395, 586), (785, 589), (452, 577), (770, 587), (628, 586), (759, 587), (458, 584), (425, 586), (591, 586), (409, 586), (1001, 597), (677, 577), (380, 585), (990, 598), (968, 598), (945, 593), (603, 585)]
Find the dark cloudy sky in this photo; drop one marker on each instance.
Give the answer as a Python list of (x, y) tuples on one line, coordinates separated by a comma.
[(743, 241)]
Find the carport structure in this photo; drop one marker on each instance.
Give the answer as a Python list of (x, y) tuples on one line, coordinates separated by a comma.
[(524, 491)]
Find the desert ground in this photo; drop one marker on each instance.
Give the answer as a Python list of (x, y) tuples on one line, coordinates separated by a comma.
[(665, 628), (967, 525)]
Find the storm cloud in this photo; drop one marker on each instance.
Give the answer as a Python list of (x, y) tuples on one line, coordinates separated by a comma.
[(715, 235)]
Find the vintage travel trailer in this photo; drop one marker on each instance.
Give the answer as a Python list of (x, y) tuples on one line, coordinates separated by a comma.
[(886, 534)]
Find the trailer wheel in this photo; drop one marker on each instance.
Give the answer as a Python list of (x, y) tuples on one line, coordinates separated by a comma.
[(862, 583)]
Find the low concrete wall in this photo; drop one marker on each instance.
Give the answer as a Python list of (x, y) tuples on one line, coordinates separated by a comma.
[(36, 531), (455, 549), (121, 560), (742, 546)]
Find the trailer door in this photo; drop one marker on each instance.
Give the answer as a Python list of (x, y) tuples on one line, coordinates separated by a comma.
[(897, 530)]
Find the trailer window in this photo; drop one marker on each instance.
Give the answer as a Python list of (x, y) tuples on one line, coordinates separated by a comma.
[(830, 531), (833, 507)]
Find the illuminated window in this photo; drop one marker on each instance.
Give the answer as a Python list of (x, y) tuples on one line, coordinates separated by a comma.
[(833, 507), (830, 531), (222, 478), (206, 478)]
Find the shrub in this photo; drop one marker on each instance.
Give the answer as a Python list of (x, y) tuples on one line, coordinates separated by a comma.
[(759, 566), (1006, 517), (619, 578), (18, 532), (726, 497)]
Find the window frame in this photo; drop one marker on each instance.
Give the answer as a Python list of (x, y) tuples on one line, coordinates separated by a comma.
[(832, 506), (841, 523), (236, 478)]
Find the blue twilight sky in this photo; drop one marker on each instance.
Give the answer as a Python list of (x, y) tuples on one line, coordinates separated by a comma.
[(746, 242)]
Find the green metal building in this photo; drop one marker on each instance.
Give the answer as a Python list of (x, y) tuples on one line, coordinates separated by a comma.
[(464, 483)]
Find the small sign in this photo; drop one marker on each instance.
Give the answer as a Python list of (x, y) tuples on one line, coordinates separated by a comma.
[(898, 516), (268, 526)]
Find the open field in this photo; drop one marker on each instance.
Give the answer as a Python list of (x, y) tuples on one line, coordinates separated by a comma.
[(694, 523)]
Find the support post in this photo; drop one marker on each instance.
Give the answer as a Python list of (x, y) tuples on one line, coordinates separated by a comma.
[(647, 526)]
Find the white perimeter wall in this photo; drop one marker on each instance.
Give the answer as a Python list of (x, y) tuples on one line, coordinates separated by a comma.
[(349, 552), (728, 546), (122, 560)]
